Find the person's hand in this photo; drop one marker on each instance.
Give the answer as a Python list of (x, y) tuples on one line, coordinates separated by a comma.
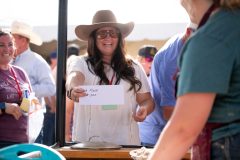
[(76, 93), (141, 114), (74, 80), (35, 102), (14, 110)]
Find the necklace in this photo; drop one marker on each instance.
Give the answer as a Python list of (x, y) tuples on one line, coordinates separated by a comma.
[(111, 81), (206, 16)]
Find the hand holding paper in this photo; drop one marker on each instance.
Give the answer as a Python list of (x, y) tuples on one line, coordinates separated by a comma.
[(103, 95)]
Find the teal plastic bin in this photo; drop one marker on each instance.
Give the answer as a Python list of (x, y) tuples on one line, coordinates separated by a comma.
[(29, 151)]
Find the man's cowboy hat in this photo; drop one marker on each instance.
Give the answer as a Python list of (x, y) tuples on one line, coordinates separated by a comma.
[(25, 30), (103, 18)]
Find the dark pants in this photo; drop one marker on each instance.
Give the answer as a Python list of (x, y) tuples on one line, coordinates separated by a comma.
[(147, 145), (227, 148), (47, 133), (4, 144)]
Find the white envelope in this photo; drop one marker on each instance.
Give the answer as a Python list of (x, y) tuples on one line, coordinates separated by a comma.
[(103, 95)]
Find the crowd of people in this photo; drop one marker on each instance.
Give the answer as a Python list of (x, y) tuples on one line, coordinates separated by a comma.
[(184, 95)]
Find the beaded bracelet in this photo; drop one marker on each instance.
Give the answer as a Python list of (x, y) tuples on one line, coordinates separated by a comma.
[(69, 93)]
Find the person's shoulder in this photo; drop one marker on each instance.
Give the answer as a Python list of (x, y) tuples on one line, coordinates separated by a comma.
[(222, 27), (135, 63), (74, 58), (37, 55), (76, 61), (173, 43), (37, 59), (131, 59), (174, 39), (18, 69), (34, 56), (228, 17)]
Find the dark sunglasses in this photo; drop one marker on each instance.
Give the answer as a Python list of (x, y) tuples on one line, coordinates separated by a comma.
[(104, 33), (148, 59)]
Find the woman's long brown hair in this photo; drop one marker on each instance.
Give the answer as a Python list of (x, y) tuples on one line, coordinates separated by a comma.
[(122, 66)]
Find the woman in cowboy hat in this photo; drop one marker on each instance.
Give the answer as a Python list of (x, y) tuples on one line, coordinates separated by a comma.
[(106, 64)]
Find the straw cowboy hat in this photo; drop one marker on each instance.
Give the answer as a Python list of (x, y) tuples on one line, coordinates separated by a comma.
[(103, 18), (25, 30)]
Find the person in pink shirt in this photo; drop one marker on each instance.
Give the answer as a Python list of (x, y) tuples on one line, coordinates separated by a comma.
[(14, 86)]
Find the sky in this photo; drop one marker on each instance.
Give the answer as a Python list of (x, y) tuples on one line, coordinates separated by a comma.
[(45, 12), (42, 15)]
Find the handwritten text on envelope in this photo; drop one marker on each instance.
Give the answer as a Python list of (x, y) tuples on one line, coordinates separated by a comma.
[(103, 95)]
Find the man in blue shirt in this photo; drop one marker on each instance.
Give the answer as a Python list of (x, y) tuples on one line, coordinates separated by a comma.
[(151, 127), (36, 67), (162, 80), (164, 71), (163, 74)]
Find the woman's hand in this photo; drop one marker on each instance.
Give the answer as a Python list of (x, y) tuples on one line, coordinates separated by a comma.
[(146, 106), (141, 114), (13, 109), (74, 80), (77, 92)]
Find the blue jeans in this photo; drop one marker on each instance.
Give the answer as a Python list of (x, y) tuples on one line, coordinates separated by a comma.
[(47, 133), (227, 148), (147, 145)]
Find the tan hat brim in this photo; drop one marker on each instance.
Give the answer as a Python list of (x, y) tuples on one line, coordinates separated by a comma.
[(33, 37), (83, 31)]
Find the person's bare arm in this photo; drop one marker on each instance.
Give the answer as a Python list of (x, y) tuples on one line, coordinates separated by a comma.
[(69, 113), (167, 112), (189, 117), (75, 79), (51, 102), (146, 106)]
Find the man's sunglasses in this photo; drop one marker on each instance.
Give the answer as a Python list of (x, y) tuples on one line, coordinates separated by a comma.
[(148, 59)]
